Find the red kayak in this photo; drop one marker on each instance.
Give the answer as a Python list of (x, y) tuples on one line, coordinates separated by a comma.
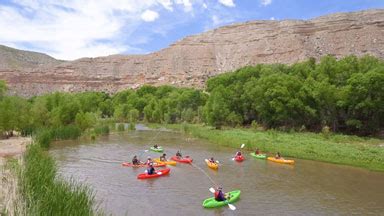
[(239, 158), (187, 159), (158, 173), (127, 164)]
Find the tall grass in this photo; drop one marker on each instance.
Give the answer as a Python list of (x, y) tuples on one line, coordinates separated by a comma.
[(101, 130), (339, 149), (45, 193), (45, 136)]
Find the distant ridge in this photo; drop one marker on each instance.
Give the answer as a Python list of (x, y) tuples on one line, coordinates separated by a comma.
[(192, 60)]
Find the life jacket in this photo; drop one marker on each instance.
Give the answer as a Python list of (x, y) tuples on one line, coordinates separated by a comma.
[(219, 196), (216, 194)]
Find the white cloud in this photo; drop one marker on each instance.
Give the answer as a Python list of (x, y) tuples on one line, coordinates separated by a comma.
[(167, 4), (149, 16), (272, 18), (186, 3), (228, 3), (265, 2), (70, 29)]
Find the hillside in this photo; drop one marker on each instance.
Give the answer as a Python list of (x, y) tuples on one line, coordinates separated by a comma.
[(190, 61)]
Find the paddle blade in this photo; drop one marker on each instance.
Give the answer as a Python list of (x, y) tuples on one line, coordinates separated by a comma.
[(242, 145), (217, 161), (212, 190), (232, 207), (233, 159)]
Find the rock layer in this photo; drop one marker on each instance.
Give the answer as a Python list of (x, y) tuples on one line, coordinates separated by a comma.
[(190, 61)]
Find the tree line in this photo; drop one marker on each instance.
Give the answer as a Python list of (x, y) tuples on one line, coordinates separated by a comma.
[(345, 95)]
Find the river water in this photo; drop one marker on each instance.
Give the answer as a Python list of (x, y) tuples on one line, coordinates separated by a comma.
[(307, 188)]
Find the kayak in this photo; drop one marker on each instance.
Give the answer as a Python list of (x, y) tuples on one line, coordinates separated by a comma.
[(158, 149), (283, 161), (259, 156), (239, 158), (127, 164), (212, 203), (173, 163), (158, 173), (187, 159), (211, 165)]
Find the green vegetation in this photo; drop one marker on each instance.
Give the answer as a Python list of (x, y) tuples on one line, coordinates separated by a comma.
[(339, 149), (45, 194), (120, 127), (346, 96)]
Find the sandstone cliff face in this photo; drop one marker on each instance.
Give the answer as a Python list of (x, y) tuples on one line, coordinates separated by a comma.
[(190, 61)]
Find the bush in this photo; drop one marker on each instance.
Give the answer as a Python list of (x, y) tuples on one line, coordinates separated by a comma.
[(102, 130), (121, 127)]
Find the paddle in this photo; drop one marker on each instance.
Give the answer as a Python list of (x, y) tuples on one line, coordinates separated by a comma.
[(232, 207), (242, 146)]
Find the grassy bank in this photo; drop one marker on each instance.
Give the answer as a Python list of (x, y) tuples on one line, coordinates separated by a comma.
[(41, 191), (44, 193), (332, 148)]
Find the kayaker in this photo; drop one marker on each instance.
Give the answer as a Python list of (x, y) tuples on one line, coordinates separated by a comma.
[(238, 153), (212, 160), (178, 154), (162, 157), (156, 146), (149, 160), (278, 156), (135, 161), (257, 151), (150, 169), (219, 195)]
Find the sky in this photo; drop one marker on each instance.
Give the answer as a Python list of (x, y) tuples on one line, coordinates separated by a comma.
[(71, 29)]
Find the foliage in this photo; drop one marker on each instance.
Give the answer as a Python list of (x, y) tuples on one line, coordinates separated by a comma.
[(45, 194)]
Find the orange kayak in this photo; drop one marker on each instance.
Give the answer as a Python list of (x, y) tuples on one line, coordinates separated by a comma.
[(211, 165), (127, 164), (169, 162), (283, 161)]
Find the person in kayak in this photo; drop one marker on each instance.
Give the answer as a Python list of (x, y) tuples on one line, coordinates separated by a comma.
[(163, 158), (135, 161), (212, 160), (238, 154), (156, 146), (219, 195), (178, 154), (278, 156), (257, 151), (150, 169), (149, 160)]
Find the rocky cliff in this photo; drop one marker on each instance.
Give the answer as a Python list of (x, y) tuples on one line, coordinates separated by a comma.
[(190, 61)]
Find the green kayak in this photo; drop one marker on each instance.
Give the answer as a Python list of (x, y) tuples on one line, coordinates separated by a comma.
[(259, 156), (158, 149), (212, 203)]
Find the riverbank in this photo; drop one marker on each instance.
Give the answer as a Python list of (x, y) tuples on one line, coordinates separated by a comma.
[(332, 148), (9, 148)]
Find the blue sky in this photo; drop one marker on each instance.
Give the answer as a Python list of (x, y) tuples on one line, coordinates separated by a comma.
[(70, 29)]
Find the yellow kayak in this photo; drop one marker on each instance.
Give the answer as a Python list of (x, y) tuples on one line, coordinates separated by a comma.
[(172, 163), (211, 165), (283, 161)]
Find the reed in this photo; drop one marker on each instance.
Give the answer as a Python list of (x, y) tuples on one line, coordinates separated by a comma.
[(45, 193)]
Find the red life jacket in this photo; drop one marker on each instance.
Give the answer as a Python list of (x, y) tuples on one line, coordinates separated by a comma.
[(216, 194)]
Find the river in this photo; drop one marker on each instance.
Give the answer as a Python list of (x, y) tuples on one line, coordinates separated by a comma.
[(306, 188)]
